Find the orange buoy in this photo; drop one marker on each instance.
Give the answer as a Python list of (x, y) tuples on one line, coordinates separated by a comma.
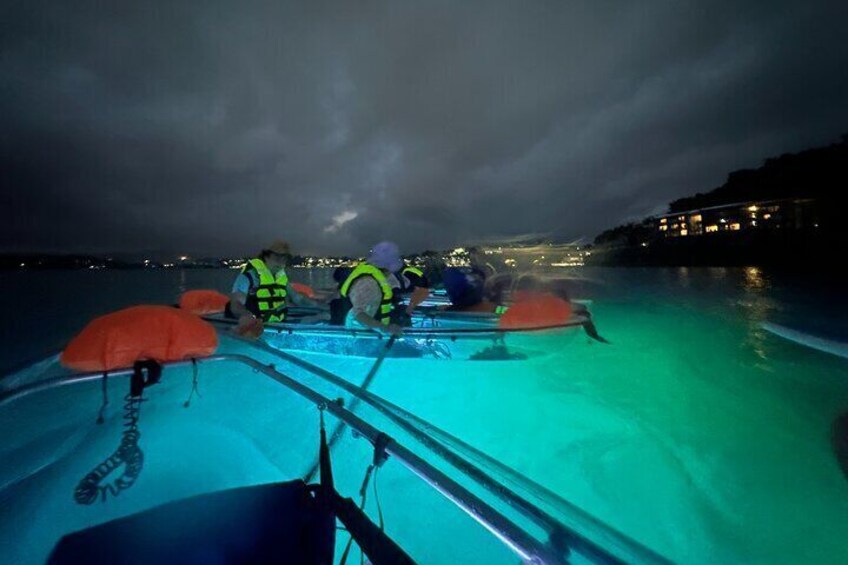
[(303, 289), (535, 310), (119, 339), (203, 302)]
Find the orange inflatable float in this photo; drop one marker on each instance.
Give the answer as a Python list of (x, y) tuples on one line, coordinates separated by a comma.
[(202, 302), (535, 310), (118, 340)]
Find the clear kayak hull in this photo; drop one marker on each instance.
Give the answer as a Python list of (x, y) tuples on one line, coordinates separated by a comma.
[(235, 420), (460, 337)]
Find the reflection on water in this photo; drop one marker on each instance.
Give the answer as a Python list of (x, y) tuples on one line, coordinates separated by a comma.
[(758, 307), (683, 277), (754, 279), (183, 282)]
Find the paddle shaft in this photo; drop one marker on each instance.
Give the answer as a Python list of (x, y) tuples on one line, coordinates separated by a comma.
[(366, 382)]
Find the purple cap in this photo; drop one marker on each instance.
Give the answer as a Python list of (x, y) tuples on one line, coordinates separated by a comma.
[(386, 255)]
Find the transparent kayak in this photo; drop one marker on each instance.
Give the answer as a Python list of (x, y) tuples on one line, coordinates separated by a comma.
[(455, 336), (89, 465)]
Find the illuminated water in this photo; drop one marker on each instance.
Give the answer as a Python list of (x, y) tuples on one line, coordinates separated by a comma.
[(696, 432)]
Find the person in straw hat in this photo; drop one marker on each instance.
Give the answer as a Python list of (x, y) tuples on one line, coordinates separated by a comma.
[(261, 292)]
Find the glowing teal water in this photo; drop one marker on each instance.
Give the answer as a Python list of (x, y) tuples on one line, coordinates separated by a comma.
[(696, 432)]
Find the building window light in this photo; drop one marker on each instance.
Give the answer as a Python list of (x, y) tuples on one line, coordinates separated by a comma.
[(664, 221), (766, 216), (663, 228), (735, 226), (711, 229), (696, 218), (684, 232), (723, 221), (752, 208)]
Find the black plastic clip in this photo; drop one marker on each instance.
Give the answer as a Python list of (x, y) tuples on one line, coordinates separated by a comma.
[(138, 381), (381, 442)]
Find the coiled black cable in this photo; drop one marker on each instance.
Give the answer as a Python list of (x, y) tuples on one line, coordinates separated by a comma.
[(128, 454)]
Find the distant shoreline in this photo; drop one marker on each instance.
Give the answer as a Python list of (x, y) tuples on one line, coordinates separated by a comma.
[(623, 264)]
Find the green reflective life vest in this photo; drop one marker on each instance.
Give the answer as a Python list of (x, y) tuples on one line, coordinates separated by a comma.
[(365, 270), (409, 278), (501, 309), (413, 271), (268, 299)]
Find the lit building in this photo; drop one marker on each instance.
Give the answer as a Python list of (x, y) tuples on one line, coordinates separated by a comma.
[(770, 215)]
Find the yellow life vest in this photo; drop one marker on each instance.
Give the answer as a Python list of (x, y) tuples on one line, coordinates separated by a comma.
[(365, 270), (268, 299), (407, 284)]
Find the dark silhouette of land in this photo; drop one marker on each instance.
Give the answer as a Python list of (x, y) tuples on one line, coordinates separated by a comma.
[(813, 183)]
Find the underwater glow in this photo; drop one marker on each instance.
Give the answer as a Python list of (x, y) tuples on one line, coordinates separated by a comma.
[(697, 432)]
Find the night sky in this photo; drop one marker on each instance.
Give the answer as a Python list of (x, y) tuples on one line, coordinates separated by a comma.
[(213, 127)]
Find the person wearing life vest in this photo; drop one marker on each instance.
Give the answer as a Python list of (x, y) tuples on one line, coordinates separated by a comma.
[(479, 264), (371, 288), (482, 268), (414, 285), (464, 286), (261, 291), (339, 305)]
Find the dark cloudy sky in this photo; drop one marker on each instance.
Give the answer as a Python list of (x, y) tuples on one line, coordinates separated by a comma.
[(213, 127)]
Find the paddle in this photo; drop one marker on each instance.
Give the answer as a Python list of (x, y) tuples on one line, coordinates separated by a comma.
[(366, 382), (592, 331)]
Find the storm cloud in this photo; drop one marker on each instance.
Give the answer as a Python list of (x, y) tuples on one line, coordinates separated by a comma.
[(214, 127)]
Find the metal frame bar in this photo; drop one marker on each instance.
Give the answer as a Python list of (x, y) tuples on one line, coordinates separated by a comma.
[(412, 425), (527, 547)]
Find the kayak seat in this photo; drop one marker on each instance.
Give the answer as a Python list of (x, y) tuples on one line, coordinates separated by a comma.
[(272, 523)]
